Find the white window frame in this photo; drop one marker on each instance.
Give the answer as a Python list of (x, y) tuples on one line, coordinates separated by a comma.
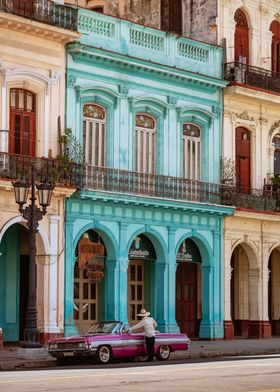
[(192, 154)]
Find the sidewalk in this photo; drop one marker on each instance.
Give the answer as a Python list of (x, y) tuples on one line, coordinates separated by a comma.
[(14, 358)]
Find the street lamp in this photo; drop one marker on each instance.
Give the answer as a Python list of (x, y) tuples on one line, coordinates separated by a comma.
[(32, 214)]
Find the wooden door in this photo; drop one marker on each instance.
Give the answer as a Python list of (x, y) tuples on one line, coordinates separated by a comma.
[(241, 38), (186, 298), (243, 160), (22, 122), (135, 278), (275, 46)]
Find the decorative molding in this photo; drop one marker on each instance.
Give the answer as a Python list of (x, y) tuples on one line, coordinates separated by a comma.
[(172, 101), (71, 81), (274, 126), (263, 10), (26, 46), (123, 90), (245, 116), (277, 16), (55, 76)]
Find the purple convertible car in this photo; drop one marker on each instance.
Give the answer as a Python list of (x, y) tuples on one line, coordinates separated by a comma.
[(107, 340)]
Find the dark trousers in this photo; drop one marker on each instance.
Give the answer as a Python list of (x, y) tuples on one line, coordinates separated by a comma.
[(150, 344)]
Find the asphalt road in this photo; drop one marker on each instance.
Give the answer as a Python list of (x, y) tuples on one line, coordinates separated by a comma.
[(239, 374)]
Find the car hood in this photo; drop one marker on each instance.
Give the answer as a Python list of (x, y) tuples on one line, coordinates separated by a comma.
[(77, 338)]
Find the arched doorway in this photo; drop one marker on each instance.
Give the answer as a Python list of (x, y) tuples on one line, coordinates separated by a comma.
[(241, 38), (88, 280), (188, 288), (14, 282), (273, 292), (140, 276), (243, 159), (240, 291)]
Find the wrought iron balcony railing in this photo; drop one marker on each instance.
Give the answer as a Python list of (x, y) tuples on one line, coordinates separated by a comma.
[(167, 187), (61, 173), (252, 76), (117, 181), (44, 11)]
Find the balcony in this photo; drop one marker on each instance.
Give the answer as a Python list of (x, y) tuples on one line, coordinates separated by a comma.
[(144, 43), (239, 73), (175, 188), (44, 11), (65, 174)]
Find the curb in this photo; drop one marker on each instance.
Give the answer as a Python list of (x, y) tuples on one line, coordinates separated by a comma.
[(21, 364)]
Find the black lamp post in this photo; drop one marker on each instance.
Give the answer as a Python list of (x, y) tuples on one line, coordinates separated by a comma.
[(33, 215)]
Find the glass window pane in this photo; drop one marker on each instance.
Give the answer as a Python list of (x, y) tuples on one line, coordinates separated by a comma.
[(85, 290), (21, 99), (76, 310), (93, 291), (132, 273), (29, 102), (85, 311), (185, 292), (26, 135), (139, 273), (132, 312), (92, 311), (85, 274), (139, 293), (13, 98), (76, 290), (76, 270), (132, 292)]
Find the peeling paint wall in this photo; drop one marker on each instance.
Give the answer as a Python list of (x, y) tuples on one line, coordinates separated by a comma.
[(146, 12), (199, 20)]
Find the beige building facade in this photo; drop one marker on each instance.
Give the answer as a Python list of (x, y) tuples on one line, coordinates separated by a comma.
[(251, 133), (32, 111)]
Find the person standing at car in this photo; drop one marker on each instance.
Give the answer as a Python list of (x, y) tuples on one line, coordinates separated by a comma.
[(149, 325)]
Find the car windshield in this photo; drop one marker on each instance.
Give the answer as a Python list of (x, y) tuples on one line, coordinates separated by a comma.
[(103, 327)]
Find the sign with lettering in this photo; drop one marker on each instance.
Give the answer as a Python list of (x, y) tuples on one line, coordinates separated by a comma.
[(89, 251), (188, 251), (142, 248)]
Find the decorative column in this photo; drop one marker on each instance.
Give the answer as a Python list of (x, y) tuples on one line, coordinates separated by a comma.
[(265, 276), (4, 125), (255, 324), (206, 330), (211, 326), (228, 275), (69, 325), (51, 328)]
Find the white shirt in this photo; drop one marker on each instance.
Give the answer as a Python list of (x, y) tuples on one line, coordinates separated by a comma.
[(149, 325)]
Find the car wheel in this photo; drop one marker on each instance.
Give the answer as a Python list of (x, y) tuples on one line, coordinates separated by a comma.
[(104, 354), (163, 353)]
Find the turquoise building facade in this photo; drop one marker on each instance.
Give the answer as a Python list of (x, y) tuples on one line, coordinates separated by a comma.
[(146, 107)]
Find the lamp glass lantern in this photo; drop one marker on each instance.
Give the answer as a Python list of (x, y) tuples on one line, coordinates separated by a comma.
[(45, 193), (21, 188)]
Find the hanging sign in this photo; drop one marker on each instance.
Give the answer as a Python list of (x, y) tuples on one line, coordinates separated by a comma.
[(88, 251), (188, 251)]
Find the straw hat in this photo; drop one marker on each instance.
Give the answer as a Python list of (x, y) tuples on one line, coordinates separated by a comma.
[(143, 313)]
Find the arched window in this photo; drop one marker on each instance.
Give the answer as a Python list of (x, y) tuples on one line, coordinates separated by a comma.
[(275, 46), (145, 144), (94, 135), (22, 122), (276, 148), (241, 38), (191, 151), (243, 159)]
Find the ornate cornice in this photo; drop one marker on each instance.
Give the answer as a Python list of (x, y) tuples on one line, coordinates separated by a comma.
[(82, 53)]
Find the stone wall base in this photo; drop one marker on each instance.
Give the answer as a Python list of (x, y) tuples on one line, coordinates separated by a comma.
[(228, 329), (45, 336), (259, 329)]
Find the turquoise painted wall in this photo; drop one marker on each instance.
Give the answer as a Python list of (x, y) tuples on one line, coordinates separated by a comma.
[(128, 69)]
